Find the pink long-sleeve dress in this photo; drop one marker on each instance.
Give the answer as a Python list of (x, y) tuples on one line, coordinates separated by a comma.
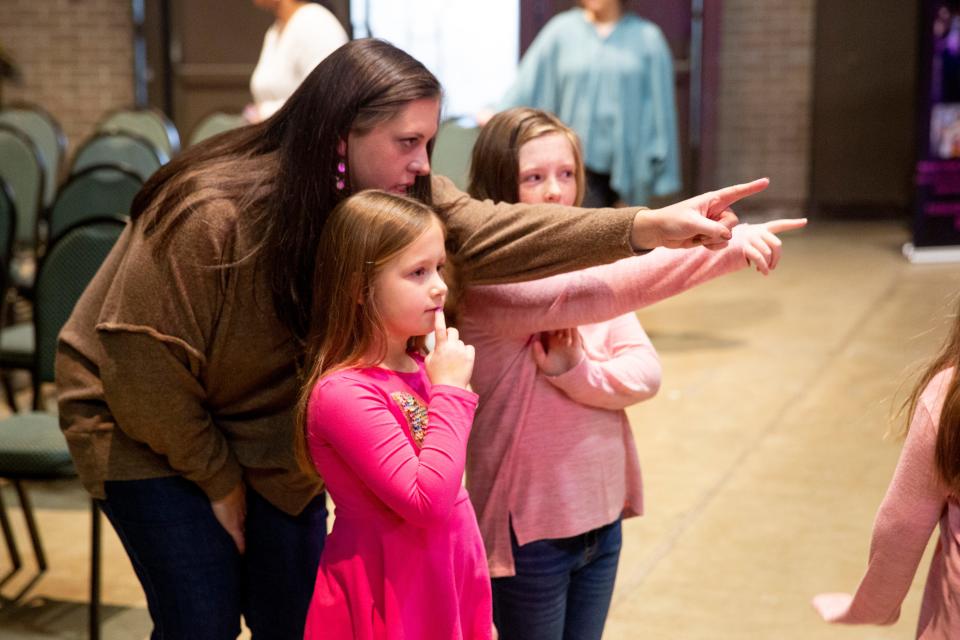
[(915, 502), (404, 560), (554, 456)]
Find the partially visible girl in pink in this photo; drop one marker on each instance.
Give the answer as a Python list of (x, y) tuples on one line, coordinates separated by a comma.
[(387, 430), (924, 494), (552, 467)]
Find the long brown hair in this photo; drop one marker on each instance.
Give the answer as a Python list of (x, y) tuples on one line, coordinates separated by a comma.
[(280, 174), (495, 162), (362, 234), (947, 456)]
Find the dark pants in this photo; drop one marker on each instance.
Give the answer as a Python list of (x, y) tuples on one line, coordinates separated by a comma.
[(562, 589), (599, 194), (197, 584)]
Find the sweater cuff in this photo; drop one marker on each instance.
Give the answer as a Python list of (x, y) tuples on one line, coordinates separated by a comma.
[(223, 481), (465, 395), (634, 250), (574, 377)]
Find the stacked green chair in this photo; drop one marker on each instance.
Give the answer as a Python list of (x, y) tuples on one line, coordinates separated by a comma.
[(18, 341), (100, 191), (147, 123), (22, 168), (8, 232), (8, 223), (46, 134), (66, 269), (32, 446), (215, 123), (8, 227), (452, 149), (126, 150)]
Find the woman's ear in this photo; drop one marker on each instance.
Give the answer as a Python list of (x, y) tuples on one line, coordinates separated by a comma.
[(342, 148)]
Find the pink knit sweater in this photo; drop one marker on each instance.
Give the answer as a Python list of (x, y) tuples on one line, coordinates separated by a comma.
[(915, 502), (556, 456)]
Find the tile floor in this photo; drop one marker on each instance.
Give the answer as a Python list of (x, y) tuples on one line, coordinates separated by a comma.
[(764, 454)]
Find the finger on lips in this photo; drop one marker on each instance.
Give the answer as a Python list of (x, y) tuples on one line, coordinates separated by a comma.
[(440, 326)]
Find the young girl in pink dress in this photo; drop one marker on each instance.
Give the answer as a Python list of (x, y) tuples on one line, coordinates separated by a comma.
[(552, 466), (924, 491), (387, 430)]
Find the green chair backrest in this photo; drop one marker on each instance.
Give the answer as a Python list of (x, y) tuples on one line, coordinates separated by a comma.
[(215, 123), (65, 271), (148, 123), (100, 191), (125, 150), (451, 151), (22, 169), (47, 135), (8, 230)]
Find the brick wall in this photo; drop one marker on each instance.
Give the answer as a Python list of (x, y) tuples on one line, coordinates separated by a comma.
[(764, 111), (76, 57)]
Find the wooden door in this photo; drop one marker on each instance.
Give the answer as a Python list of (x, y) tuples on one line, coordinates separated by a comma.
[(201, 54), (864, 106)]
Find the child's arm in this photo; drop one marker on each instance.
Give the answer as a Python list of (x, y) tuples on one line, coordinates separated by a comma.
[(496, 243), (354, 417), (601, 293), (630, 376), (905, 520)]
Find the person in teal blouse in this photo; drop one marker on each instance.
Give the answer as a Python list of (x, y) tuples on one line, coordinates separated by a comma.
[(608, 74)]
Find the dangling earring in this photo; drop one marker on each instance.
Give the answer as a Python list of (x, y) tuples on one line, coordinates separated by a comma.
[(341, 177)]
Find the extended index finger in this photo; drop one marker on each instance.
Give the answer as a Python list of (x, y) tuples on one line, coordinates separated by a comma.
[(440, 326), (787, 224), (728, 195)]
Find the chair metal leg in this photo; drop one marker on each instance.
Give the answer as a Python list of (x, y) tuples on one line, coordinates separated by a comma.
[(11, 542), (8, 391), (95, 554), (37, 395), (34, 539), (94, 571), (31, 526)]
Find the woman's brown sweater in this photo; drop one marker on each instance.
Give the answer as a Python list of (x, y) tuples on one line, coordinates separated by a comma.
[(180, 366)]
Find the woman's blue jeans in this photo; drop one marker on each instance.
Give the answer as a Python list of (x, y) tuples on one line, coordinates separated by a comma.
[(562, 589), (197, 584)]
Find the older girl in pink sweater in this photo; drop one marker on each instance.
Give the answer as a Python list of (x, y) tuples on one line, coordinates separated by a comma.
[(552, 466), (923, 493)]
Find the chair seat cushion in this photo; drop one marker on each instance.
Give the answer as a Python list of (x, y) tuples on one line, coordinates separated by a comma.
[(17, 345), (32, 446)]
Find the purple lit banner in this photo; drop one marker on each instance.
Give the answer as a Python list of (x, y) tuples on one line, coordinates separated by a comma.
[(936, 230)]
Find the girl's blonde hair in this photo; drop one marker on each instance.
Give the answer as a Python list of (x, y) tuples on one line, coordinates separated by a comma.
[(495, 166), (361, 235), (947, 456)]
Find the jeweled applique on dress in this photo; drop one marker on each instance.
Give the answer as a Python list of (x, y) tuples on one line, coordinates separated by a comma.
[(416, 413)]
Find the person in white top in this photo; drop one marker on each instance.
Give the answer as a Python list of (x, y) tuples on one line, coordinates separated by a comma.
[(303, 34)]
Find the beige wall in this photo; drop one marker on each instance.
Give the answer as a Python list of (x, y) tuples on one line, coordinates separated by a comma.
[(76, 58), (766, 75)]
